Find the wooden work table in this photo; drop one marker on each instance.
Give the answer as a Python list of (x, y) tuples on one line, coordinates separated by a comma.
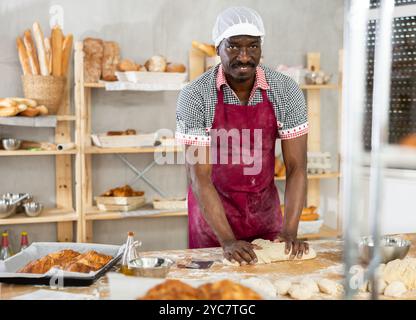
[(328, 264)]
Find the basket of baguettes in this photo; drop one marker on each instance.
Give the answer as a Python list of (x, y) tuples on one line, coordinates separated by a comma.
[(45, 64)]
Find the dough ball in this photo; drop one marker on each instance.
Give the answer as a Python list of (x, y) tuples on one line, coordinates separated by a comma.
[(282, 286), (300, 292), (401, 270), (327, 286), (395, 289), (381, 286), (311, 284), (263, 286)]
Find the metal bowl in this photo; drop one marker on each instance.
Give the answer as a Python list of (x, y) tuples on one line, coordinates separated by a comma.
[(33, 209), (153, 267), (11, 144), (7, 208), (19, 198), (391, 248)]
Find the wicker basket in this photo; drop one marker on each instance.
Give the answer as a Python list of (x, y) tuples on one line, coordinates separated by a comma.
[(46, 90)]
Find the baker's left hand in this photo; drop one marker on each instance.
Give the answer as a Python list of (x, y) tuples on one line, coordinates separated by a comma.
[(295, 246)]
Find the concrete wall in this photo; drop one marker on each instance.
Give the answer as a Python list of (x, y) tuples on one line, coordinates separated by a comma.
[(144, 28)]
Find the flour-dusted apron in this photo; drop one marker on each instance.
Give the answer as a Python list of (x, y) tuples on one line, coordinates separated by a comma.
[(251, 202)]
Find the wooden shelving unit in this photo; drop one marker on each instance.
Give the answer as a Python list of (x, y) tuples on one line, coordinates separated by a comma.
[(97, 150), (63, 215)]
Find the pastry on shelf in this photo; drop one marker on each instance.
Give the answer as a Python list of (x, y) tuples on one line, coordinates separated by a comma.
[(175, 67), (127, 132), (308, 214), (156, 64), (409, 140), (125, 191)]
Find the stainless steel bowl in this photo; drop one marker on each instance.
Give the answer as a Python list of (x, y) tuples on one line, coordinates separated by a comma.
[(7, 208), (153, 267), (391, 248), (33, 209), (11, 144), (19, 198)]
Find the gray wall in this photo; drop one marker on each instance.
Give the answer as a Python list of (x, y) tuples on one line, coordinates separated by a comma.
[(144, 28)]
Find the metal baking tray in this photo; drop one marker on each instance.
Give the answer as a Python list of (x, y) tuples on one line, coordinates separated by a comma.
[(56, 277)]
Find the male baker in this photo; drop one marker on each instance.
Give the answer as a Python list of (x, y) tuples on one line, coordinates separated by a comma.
[(231, 113)]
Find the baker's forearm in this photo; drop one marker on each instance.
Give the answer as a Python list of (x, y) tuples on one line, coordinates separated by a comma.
[(295, 193), (212, 208)]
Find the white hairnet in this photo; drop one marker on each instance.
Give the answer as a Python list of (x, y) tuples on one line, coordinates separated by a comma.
[(237, 21)]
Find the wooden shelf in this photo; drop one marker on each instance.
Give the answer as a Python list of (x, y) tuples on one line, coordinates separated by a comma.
[(49, 121), (6, 153), (66, 118), (98, 150), (330, 175), (95, 214), (318, 87), (48, 215), (324, 232)]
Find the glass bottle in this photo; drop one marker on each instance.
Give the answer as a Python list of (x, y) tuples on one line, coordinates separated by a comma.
[(6, 251), (129, 245), (24, 241)]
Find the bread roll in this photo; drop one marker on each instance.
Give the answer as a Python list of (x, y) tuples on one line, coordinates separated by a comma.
[(43, 61), (43, 111), (156, 64), (30, 112), (175, 67), (28, 102), (22, 107), (8, 111), (23, 57), (57, 43), (128, 65), (31, 52), (111, 58), (8, 103), (66, 54)]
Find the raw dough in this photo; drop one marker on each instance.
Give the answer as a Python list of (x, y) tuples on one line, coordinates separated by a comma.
[(311, 284), (401, 270), (328, 286), (300, 292), (395, 289), (272, 252), (261, 285), (364, 286), (380, 287), (282, 286)]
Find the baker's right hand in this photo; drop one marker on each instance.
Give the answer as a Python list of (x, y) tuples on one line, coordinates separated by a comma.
[(240, 251)]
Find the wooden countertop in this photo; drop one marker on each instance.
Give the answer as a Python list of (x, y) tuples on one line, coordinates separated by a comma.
[(328, 264)]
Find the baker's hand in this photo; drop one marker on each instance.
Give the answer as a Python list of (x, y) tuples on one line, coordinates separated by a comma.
[(240, 251), (295, 246)]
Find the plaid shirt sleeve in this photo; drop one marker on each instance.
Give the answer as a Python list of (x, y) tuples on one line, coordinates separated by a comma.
[(190, 119), (295, 122)]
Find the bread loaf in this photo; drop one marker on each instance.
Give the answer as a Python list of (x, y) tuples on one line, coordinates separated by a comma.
[(156, 64), (208, 49), (56, 43), (43, 61), (175, 67), (111, 58), (28, 102), (8, 111), (23, 57), (29, 112), (31, 52), (8, 103), (48, 51), (66, 54), (128, 65), (93, 49), (43, 111)]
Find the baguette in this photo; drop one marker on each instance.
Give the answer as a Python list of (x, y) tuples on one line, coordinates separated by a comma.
[(31, 52), (8, 111), (22, 107), (48, 50), (208, 49), (66, 55), (56, 43), (43, 61), (23, 57)]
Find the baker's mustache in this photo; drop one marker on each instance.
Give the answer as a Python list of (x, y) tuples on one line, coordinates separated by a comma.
[(242, 65)]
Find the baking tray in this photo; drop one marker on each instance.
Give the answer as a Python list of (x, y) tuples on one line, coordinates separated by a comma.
[(37, 250)]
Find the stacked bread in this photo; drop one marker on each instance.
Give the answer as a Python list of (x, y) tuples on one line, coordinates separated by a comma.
[(308, 214), (10, 107), (44, 56)]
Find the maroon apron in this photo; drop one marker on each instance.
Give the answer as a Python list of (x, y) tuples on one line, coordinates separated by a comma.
[(251, 202)]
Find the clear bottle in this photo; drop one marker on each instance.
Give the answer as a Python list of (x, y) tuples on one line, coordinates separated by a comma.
[(24, 241), (6, 251), (126, 255)]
